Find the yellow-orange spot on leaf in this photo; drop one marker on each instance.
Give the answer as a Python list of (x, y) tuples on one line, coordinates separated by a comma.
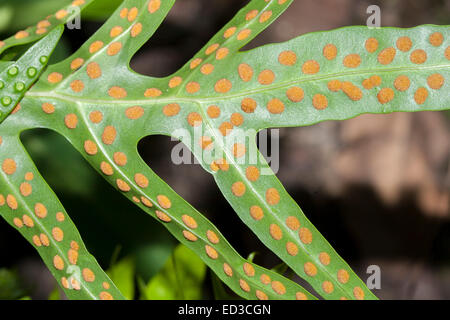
[(114, 48), (25, 189), (95, 46), (213, 111), (225, 128), (358, 293), (211, 252), (90, 147), (194, 119), (248, 105), (238, 189), (106, 168), (292, 223), (261, 295), (189, 221), (291, 248), (386, 56), (418, 56), (319, 101), (71, 121), (207, 68), (275, 232), (352, 91), (136, 30), (329, 51), (227, 269), (195, 63), (28, 221), (132, 14), (295, 94), (9, 166), (252, 173), (256, 212), (245, 72), (18, 223), (436, 39), (109, 135), (96, 116), (435, 81), (421, 95), (205, 143), (105, 296), (175, 82), (310, 67), (229, 32), (120, 158), (61, 14), (265, 279), (117, 92), (29, 176), (123, 13), (72, 254), (192, 87), (324, 258), (327, 287), (239, 150), (40, 210), (275, 106), (278, 287), (212, 237), (287, 58), (57, 234), (152, 93), (11, 201), (154, 5), (237, 119), (305, 235), (211, 48), (115, 31), (352, 60), (122, 185), (385, 95), (58, 262), (243, 34), (310, 269), (343, 276), (402, 83), (77, 85), (76, 63), (93, 70), (371, 45), (189, 236), (248, 269), (88, 275), (134, 113), (272, 196), (265, 16), (223, 86), (164, 201), (54, 77), (244, 285), (251, 15), (21, 34), (222, 53), (141, 180), (171, 109), (162, 216), (404, 44), (300, 296), (334, 85), (266, 77)]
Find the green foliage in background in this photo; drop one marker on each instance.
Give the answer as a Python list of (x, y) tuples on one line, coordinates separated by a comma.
[(215, 105)]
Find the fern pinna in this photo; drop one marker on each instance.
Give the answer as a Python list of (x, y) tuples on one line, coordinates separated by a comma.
[(215, 104)]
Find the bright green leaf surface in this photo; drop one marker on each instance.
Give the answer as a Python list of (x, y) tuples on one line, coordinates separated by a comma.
[(103, 108)]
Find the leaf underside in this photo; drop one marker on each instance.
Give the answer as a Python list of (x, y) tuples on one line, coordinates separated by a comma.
[(215, 105)]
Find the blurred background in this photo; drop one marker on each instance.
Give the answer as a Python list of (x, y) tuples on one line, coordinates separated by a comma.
[(377, 186)]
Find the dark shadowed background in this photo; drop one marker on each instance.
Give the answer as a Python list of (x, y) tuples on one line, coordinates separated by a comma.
[(377, 186)]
